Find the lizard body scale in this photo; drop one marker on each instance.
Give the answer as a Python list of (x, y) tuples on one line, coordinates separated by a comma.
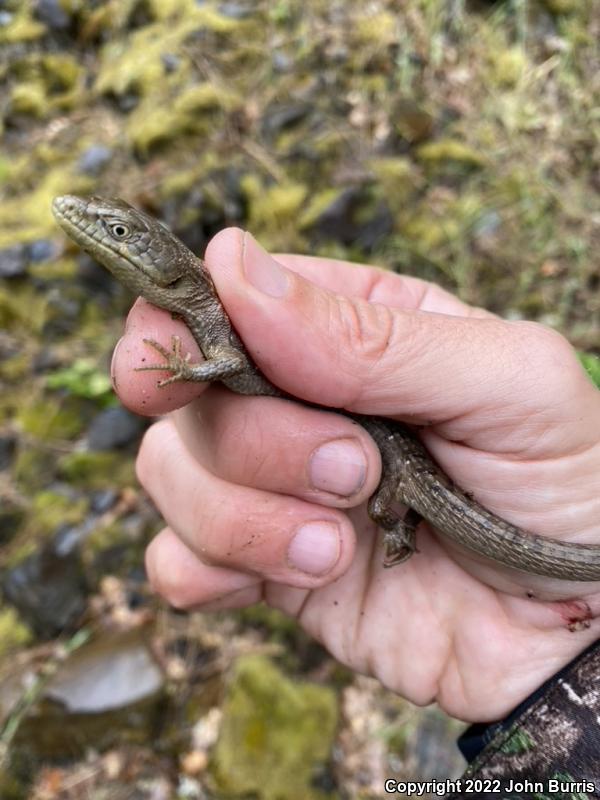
[(146, 257)]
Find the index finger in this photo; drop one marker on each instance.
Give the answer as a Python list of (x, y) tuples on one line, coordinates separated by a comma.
[(137, 388)]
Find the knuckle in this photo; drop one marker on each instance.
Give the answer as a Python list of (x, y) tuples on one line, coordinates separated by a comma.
[(550, 352), (367, 329), (148, 457), (171, 583)]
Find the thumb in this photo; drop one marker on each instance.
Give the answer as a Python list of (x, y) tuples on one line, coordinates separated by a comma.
[(348, 352)]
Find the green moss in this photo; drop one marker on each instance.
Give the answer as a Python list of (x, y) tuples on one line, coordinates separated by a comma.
[(33, 468), (65, 269), (376, 29), (204, 97), (5, 169), (204, 16), (507, 66), (135, 64), (317, 205), (435, 154), (21, 307), (15, 368), (452, 219), (192, 111), (96, 470), (561, 6), (29, 98), (51, 418), (13, 632), (179, 183), (22, 27), (273, 209), (27, 216), (61, 72), (276, 733), (83, 379), (393, 171), (106, 537), (49, 510), (280, 625), (430, 232), (44, 84)]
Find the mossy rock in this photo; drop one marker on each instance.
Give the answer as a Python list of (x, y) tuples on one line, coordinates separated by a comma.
[(276, 735)]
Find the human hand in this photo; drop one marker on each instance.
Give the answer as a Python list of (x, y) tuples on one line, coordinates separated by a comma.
[(510, 416)]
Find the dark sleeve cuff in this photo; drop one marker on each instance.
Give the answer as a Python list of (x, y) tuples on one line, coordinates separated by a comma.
[(478, 736)]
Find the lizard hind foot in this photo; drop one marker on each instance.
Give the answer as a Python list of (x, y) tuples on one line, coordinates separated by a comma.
[(400, 539), (397, 549), (174, 362)]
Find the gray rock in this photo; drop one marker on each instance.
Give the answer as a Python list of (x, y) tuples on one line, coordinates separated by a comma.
[(170, 61), (236, 10), (13, 261), (113, 428), (52, 14), (93, 160), (8, 443), (42, 250), (48, 589), (281, 117), (103, 500)]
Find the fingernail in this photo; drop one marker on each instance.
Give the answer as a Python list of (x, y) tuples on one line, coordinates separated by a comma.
[(339, 467), (315, 549), (113, 361), (263, 272)]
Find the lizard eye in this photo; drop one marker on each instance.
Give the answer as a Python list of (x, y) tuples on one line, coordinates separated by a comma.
[(119, 230)]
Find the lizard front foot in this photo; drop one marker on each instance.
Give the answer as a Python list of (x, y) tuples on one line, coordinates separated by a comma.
[(175, 362)]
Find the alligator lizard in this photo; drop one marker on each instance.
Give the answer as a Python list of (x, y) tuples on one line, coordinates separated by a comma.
[(147, 258)]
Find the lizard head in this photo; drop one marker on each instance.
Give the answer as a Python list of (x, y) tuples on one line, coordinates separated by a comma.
[(138, 249)]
